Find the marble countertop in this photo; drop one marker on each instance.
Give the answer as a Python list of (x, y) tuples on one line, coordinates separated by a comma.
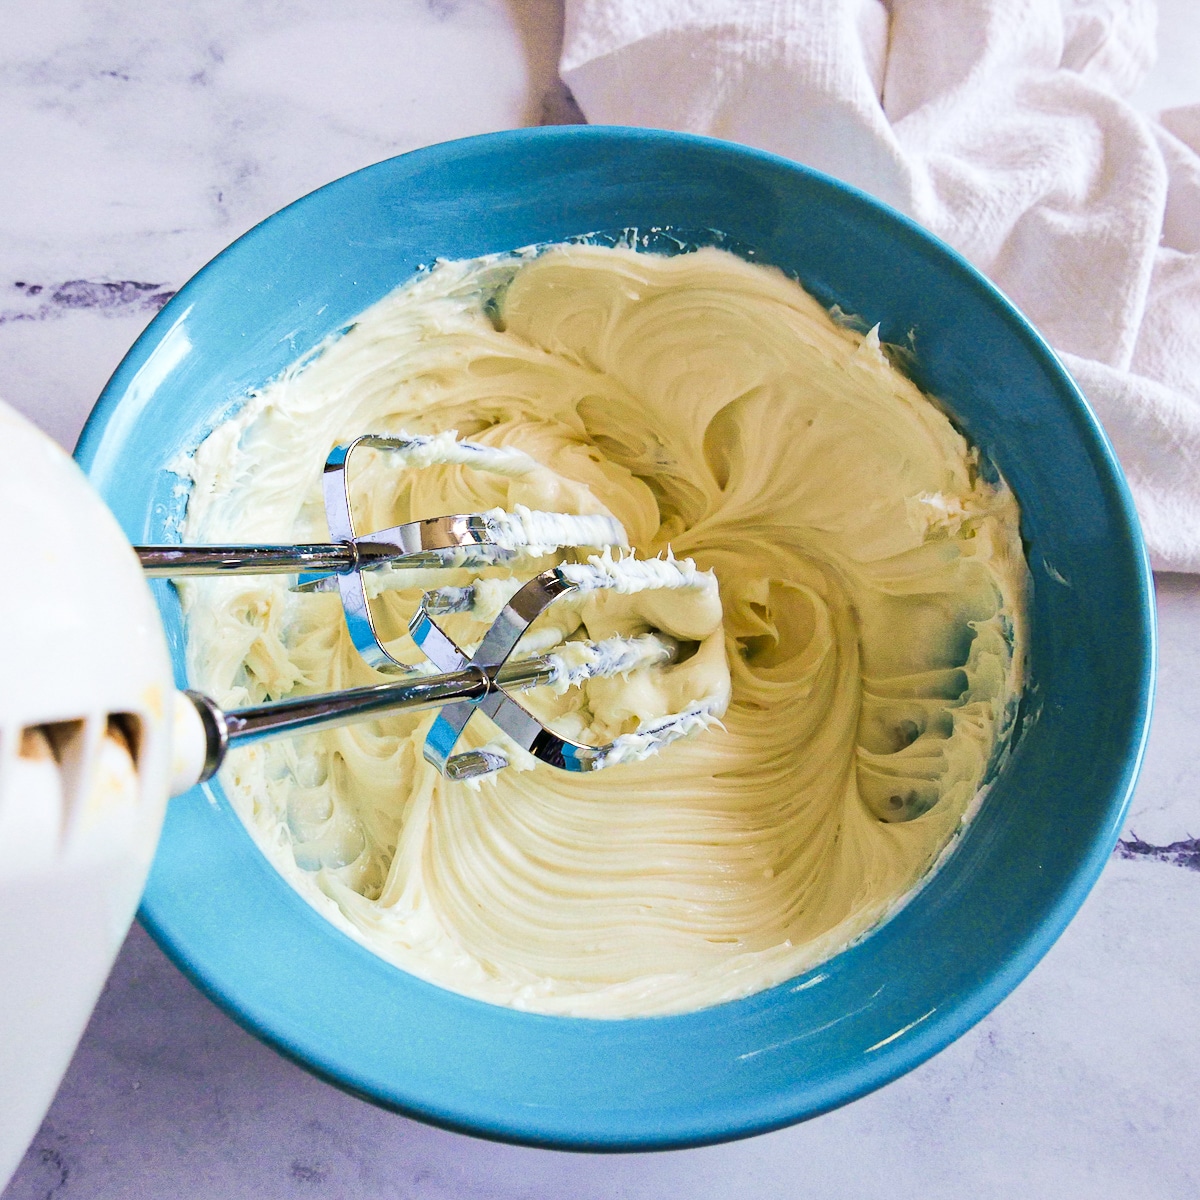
[(140, 140)]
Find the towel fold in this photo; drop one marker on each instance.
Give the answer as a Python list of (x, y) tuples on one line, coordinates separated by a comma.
[(1002, 127)]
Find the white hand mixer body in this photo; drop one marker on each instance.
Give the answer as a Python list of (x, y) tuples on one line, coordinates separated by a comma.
[(85, 751)]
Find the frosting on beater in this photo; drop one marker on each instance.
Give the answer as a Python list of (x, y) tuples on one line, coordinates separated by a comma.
[(869, 632)]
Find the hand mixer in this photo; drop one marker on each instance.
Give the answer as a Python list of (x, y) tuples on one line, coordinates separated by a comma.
[(93, 735), (488, 680)]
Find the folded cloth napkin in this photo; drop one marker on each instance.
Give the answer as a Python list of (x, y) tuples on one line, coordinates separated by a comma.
[(1000, 125)]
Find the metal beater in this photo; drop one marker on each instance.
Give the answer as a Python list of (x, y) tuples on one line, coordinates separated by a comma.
[(489, 680)]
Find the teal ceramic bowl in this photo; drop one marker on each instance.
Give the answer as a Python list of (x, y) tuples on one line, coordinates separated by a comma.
[(1023, 866)]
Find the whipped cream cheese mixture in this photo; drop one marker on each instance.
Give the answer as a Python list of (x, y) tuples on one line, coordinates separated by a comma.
[(869, 637)]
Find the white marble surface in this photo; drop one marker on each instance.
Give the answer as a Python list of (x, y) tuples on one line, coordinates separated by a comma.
[(136, 141)]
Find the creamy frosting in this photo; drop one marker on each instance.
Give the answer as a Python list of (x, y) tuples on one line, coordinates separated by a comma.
[(870, 623), (541, 532)]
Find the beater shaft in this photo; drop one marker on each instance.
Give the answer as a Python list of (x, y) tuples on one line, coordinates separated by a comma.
[(173, 562), (241, 726)]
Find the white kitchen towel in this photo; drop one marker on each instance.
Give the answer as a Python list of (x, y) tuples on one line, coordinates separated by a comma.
[(1001, 126)]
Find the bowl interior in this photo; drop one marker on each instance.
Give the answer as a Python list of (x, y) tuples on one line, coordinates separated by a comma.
[(1022, 867)]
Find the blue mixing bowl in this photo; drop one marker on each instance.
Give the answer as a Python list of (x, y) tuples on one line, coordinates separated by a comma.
[(1023, 866)]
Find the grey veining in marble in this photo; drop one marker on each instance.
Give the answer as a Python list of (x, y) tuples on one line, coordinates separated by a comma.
[(137, 141)]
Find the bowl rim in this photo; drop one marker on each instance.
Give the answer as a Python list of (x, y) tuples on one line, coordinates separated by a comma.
[(478, 1118)]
